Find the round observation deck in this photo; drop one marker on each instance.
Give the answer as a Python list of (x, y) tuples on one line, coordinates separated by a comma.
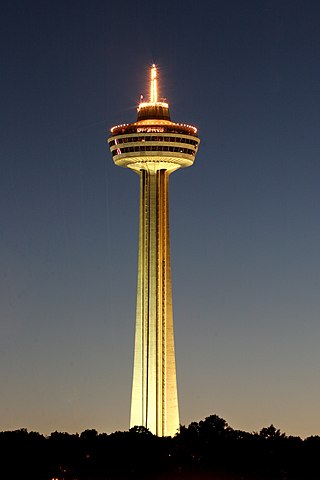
[(153, 144), (153, 141)]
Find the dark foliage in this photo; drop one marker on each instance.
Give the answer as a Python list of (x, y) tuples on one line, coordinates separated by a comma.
[(206, 450)]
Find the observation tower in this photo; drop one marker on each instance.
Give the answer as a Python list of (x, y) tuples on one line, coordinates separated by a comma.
[(154, 147)]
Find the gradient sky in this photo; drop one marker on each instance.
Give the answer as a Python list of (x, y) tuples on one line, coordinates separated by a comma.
[(245, 228)]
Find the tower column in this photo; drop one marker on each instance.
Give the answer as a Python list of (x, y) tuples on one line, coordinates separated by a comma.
[(154, 391)]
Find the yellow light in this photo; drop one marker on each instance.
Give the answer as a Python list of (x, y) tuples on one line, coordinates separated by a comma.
[(153, 85), (118, 126), (147, 104)]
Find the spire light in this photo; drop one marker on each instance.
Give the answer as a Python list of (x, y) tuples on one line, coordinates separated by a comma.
[(153, 92), (153, 84)]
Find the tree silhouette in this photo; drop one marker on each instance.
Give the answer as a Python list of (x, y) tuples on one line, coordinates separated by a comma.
[(206, 450), (271, 433)]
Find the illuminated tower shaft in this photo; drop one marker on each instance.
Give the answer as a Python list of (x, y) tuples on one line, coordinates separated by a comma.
[(154, 147), (154, 391)]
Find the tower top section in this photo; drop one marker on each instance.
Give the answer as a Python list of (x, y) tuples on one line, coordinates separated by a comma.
[(153, 109), (153, 142)]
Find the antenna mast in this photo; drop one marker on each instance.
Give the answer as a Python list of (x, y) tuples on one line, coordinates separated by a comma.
[(153, 85)]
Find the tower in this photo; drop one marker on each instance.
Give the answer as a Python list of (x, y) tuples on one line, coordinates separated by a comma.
[(154, 147)]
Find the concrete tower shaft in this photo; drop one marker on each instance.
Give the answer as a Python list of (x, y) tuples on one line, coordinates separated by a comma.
[(154, 390), (154, 147)]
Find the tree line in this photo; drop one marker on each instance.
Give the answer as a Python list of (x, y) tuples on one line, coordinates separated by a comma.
[(209, 449)]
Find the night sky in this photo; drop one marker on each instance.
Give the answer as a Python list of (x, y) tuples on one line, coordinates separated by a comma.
[(245, 228)]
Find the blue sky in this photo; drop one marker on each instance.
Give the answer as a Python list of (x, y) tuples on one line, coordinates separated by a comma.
[(245, 229)]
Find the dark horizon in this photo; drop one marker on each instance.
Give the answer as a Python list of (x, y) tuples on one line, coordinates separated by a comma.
[(207, 449)]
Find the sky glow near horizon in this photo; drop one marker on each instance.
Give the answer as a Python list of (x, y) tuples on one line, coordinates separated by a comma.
[(245, 229)]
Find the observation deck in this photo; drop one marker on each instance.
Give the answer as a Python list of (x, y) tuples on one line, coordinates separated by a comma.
[(153, 142)]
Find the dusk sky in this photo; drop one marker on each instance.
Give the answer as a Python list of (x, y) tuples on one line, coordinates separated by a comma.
[(245, 225)]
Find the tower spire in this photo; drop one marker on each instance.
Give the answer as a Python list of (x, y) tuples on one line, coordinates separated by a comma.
[(153, 109), (153, 84)]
